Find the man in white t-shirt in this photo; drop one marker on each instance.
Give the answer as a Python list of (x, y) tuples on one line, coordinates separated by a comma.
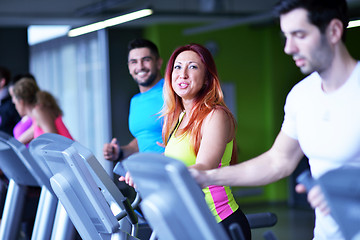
[(322, 112)]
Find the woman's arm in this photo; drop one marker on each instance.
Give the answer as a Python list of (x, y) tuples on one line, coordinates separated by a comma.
[(217, 131), (27, 136)]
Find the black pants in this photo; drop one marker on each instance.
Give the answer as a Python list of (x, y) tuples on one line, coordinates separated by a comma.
[(237, 217)]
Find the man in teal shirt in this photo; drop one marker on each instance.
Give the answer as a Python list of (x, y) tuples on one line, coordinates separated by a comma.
[(144, 65)]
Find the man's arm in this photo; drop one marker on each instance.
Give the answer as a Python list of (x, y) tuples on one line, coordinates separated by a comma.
[(112, 151), (278, 162), (131, 148)]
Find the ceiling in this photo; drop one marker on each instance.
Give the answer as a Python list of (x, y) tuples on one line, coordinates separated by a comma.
[(78, 12)]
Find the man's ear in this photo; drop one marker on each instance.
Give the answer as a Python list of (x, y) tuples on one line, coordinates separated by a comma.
[(2, 82), (335, 30), (159, 63)]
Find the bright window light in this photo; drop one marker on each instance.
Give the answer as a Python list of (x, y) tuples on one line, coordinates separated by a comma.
[(355, 23), (41, 33)]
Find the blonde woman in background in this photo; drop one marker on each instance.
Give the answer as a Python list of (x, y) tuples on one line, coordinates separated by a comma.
[(41, 106)]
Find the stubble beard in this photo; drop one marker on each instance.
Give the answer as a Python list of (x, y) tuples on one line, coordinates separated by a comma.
[(148, 82), (320, 58)]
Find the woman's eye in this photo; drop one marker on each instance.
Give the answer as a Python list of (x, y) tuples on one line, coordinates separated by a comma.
[(176, 67)]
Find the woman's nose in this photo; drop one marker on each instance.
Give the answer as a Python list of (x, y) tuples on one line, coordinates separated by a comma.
[(183, 73)]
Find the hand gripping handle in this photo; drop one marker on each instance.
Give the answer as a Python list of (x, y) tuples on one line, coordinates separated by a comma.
[(306, 179)]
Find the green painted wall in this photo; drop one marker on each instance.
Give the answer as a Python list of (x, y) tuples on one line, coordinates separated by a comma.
[(252, 58), (352, 42)]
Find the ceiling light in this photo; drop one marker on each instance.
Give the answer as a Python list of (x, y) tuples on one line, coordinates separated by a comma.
[(355, 23), (109, 22)]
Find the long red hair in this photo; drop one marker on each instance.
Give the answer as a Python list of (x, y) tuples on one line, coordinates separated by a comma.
[(208, 98)]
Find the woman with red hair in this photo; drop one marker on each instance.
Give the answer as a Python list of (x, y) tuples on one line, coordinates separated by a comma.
[(199, 129)]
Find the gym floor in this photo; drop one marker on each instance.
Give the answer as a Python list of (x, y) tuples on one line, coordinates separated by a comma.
[(294, 223)]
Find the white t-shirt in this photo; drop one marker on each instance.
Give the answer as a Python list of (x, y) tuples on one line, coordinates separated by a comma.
[(327, 127)]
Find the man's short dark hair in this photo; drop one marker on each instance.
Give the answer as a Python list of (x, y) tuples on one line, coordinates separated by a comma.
[(320, 12), (143, 43), (6, 74)]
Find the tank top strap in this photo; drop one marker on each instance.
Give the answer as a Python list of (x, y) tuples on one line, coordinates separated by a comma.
[(181, 116)]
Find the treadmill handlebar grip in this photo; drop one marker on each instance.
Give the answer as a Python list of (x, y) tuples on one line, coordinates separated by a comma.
[(306, 179), (119, 169)]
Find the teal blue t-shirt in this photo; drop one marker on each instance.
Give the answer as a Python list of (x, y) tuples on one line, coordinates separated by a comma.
[(144, 122)]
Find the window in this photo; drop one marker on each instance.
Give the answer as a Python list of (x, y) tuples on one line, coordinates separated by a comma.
[(76, 72)]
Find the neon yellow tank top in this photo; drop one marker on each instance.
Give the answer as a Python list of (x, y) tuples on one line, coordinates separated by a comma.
[(219, 198)]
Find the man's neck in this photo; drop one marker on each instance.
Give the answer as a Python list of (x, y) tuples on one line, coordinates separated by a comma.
[(147, 88), (339, 72)]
